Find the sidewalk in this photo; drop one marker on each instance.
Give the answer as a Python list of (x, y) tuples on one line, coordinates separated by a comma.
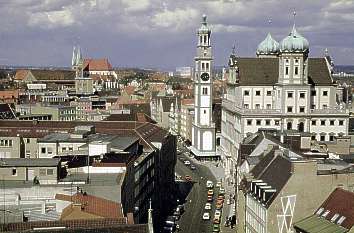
[(219, 174)]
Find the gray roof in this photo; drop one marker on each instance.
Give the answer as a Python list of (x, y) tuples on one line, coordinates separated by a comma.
[(265, 71), (25, 162)]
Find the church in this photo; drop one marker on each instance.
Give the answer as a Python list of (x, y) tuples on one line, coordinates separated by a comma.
[(280, 89)]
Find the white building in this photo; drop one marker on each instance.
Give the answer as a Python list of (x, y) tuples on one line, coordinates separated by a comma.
[(281, 89), (203, 128)]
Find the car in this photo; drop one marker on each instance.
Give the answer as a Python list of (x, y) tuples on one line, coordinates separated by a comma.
[(220, 199), (218, 206), (210, 192), (188, 178), (180, 209), (222, 190), (206, 216), (216, 220), (187, 162), (193, 167), (228, 201), (207, 206), (218, 184), (209, 184), (216, 228), (217, 214), (210, 199)]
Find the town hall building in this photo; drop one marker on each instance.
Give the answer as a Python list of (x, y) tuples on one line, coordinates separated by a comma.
[(281, 89)]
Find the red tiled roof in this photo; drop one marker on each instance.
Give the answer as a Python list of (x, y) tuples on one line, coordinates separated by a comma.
[(97, 64), (21, 74), (94, 205), (340, 202), (187, 101), (129, 90)]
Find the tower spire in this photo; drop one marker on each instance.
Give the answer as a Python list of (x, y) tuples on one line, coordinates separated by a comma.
[(294, 15), (73, 58)]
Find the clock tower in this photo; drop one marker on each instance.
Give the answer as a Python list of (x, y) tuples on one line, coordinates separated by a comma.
[(203, 128)]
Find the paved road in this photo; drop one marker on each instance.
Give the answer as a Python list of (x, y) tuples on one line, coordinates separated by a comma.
[(191, 221)]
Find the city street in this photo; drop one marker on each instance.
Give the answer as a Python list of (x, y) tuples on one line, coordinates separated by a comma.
[(191, 220)]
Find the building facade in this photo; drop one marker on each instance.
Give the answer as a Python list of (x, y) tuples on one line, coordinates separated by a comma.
[(281, 89), (203, 128)]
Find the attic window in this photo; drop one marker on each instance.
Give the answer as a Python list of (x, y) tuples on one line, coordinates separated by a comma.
[(319, 211), (334, 218), (341, 220), (325, 213)]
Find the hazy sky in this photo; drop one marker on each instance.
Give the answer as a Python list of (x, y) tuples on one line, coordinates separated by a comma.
[(161, 33)]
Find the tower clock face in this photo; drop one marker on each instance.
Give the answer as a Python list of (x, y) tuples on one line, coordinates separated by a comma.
[(204, 76)]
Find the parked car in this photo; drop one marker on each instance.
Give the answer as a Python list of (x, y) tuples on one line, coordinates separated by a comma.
[(187, 162), (216, 228), (218, 184), (210, 199), (222, 190), (188, 178), (206, 216), (193, 167), (209, 184), (217, 214), (210, 192), (207, 206)]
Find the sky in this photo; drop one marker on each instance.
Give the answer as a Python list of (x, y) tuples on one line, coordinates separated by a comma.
[(162, 33)]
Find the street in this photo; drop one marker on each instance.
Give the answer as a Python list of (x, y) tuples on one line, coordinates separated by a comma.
[(191, 220)]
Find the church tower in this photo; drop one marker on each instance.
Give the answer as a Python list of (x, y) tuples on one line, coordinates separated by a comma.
[(203, 129)]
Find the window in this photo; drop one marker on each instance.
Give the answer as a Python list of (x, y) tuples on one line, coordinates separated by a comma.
[(296, 70), (50, 150), (258, 93), (313, 93), (341, 122), (313, 122), (323, 138), (296, 61), (289, 126), (42, 172), (246, 93), (290, 109), (313, 106), (43, 150), (14, 171), (269, 93), (302, 109), (331, 122), (325, 93), (290, 95), (323, 122), (249, 122), (269, 106), (246, 106), (258, 122), (28, 140), (331, 138), (324, 106), (267, 122), (50, 172), (302, 95), (276, 122), (313, 137), (287, 70), (258, 106), (205, 90), (72, 148)]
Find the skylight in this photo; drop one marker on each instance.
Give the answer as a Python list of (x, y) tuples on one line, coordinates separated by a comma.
[(341, 220)]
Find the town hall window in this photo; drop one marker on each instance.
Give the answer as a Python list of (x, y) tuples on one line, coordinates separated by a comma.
[(246, 93), (296, 70), (325, 93), (287, 70), (205, 90), (302, 95), (290, 95), (269, 93), (290, 109), (341, 122), (302, 109), (14, 171), (258, 93)]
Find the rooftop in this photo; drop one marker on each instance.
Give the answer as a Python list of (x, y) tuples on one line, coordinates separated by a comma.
[(26, 162)]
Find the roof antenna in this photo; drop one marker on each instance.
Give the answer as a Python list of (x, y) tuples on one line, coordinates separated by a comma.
[(294, 14)]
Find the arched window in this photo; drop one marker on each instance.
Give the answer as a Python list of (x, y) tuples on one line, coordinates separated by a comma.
[(289, 125)]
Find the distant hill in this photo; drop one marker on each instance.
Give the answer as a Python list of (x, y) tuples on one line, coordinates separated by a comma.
[(344, 69)]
